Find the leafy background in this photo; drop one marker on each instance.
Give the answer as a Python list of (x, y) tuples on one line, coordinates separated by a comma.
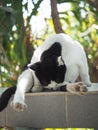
[(17, 42), (47, 129)]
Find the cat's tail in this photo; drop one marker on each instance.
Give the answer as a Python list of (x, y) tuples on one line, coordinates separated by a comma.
[(5, 97)]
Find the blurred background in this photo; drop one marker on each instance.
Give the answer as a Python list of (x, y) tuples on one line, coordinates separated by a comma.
[(25, 24)]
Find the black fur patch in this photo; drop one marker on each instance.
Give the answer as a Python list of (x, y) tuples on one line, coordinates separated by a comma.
[(4, 99), (48, 69)]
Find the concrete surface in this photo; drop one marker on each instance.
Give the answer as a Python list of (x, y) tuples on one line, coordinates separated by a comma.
[(55, 110)]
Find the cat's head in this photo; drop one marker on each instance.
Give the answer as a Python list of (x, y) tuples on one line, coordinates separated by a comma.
[(50, 69)]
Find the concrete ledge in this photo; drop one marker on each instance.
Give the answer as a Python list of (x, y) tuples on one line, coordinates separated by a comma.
[(2, 118), (56, 110)]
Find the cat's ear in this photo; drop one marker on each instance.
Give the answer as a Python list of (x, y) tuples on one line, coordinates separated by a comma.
[(60, 61), (35, 66)]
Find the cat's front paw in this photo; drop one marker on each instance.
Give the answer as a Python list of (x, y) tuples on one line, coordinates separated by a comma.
[(18, 106), (53, 84)]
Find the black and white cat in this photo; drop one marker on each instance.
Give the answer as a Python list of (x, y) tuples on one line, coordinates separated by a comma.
[(55, 63)]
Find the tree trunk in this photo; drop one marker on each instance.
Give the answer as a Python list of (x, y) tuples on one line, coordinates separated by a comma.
[(94, 3), (55, 17)]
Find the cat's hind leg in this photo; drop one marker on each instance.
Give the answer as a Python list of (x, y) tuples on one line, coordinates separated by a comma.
[(84, 73), (24, 84), (72, 87), (76, 87)]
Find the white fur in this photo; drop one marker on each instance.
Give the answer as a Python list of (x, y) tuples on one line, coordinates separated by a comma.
[(75, 59), (73, 55), (60, 62)]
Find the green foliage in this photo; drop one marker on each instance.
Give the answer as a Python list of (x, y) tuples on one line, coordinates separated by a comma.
[(7, 16), (13, 35), (79, 21), (69, 129), (15, 41), (36, 6), (48, 129)]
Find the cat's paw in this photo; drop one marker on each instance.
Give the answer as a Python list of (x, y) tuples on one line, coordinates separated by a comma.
[(83, 88), (77, 87), (53, 84), (88, 83), (18, 106)]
